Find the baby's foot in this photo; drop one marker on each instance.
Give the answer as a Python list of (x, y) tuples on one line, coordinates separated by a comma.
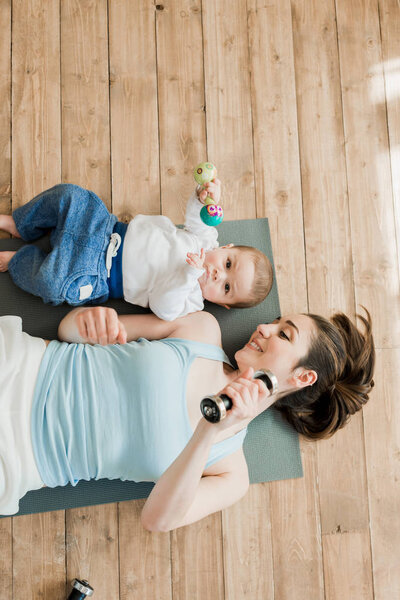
[(7, 223), (5, 258)]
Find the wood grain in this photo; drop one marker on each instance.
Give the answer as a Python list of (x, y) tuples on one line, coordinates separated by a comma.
[(144, 557), (276, 145), (39, 556), (5, 108), (382, 441), (376, 273), (228, 103), (349, 575), (93, 548), (181, 102), (134, 109), (36, 120), (84, 90)]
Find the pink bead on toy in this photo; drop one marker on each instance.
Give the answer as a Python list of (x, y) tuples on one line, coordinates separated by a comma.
[(212, 214)]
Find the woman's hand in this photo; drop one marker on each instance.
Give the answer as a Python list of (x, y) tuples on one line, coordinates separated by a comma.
[(248, 397), (100, 325)]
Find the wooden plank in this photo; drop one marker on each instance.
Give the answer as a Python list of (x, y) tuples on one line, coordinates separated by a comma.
[(5, 109), (376, 274), (36, 124), (181, 102), (92, 548), (276, 145), (247, 544), (389, 12), (38, 540), (373, 233), (382, 441), (197, 563), (39, 556), (6, 580), (341, 461), (134, 110), (228, 103), (296, 533), (144, 557), (278, 187), (85, 113), (348, 572)]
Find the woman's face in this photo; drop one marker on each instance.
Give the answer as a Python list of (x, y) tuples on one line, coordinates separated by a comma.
[(278, 347)]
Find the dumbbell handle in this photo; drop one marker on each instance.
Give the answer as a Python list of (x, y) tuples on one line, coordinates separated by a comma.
[(214, 408)]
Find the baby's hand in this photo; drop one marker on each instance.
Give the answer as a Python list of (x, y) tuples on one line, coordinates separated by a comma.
[(212, 189), (196, 261)]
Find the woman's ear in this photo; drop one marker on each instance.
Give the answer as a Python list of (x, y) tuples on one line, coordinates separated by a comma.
[(304, 377)]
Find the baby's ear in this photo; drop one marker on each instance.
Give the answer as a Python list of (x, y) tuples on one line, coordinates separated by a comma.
[(227, 246)]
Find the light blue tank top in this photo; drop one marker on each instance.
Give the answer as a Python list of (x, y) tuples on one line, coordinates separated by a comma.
[(116, 412)]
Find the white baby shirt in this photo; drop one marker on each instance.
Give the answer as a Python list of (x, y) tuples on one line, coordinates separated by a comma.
[(154, 268)]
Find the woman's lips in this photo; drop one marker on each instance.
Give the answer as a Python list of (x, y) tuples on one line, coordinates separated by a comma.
[(254, 346)]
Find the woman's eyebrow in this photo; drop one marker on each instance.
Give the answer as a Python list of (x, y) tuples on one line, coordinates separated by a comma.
[(289, 322)]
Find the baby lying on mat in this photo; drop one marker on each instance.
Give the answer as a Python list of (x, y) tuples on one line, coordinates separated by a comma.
[(149, 262)]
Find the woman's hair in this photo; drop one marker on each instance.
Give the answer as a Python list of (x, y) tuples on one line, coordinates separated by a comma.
[(343, 358), (263, 277)]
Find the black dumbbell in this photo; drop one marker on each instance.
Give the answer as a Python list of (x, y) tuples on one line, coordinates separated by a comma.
[(81, 589), (214, 408)]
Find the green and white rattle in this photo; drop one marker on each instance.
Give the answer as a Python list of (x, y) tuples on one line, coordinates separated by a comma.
[(211, 213)]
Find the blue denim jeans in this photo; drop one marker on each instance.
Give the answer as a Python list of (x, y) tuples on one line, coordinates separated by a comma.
[(80, 226)]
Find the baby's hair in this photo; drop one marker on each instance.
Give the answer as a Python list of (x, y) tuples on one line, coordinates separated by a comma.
[(343, 358), (263, 277)]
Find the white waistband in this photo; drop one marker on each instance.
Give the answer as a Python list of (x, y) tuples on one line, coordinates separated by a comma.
[(112, 250)]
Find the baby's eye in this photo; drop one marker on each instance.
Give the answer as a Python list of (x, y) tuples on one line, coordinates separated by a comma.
[(228, 264), (227, 288), (283, 335)]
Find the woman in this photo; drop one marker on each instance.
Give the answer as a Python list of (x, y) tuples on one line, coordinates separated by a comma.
[(132, 411)]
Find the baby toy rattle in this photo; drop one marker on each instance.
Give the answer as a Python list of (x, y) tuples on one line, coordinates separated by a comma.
[(214, 408), (211, 213)]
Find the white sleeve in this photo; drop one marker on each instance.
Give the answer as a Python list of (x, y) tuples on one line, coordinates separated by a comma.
[(207, 234), (182, 297)]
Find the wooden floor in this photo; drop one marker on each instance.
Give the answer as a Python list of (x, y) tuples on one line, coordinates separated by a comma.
[(298, 104)]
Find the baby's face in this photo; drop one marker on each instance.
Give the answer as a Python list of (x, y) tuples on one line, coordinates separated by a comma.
[(229, 275)]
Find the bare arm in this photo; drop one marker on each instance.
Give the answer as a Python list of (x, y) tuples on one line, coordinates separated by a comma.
[(183, 494), (102, 325)]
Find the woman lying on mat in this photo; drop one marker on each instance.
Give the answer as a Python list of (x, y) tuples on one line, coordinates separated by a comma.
[(131, 411)]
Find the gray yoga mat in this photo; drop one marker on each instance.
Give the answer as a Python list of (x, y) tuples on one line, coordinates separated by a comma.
[(271, 446)]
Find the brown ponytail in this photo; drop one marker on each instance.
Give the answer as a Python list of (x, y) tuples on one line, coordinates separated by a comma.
[(343, 358)]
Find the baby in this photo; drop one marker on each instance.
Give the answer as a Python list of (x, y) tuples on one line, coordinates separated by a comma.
[(149, 262)]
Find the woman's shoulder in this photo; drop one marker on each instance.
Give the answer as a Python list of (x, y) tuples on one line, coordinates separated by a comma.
[(200, 326)]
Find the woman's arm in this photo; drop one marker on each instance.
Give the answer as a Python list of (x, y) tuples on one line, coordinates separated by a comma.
[(102, 325), (183, 495)]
